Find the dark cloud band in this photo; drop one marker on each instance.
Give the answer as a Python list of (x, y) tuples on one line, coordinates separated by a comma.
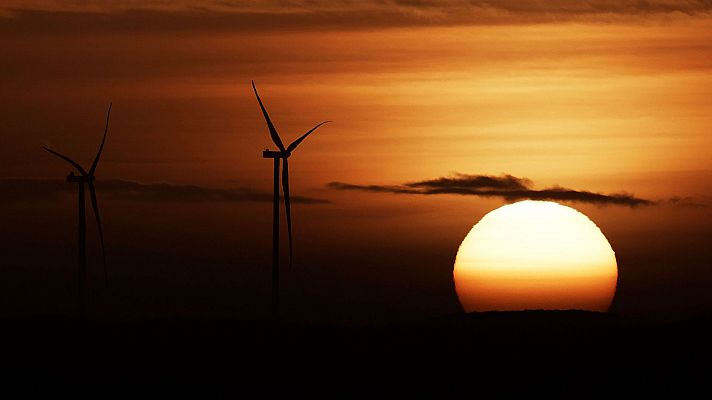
[(23, 190), (506, 187)]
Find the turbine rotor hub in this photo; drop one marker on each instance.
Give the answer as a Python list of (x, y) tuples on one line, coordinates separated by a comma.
[(275, 154), (79, 178)]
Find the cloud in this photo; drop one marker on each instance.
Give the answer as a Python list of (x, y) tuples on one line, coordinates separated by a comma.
[(345, 14), (300, 7), (507, 187), (462, 181), (33, 190), (688, 202)]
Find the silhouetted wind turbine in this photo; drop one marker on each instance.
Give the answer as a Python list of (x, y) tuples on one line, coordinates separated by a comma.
[(80, 180), (284, 154)]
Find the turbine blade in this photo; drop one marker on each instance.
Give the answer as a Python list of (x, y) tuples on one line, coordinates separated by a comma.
[(304, 136), (101, 147), (287, 206), (67, 159), (272, 131), (95, 207)]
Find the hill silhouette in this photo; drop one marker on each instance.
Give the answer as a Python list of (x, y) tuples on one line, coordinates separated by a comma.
[(572, 353)]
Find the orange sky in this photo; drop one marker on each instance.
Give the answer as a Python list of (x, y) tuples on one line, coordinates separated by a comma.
[(601, 96), (554, 102)]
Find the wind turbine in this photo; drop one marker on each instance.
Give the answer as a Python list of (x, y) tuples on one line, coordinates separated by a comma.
[(284, 154), (87, 178)]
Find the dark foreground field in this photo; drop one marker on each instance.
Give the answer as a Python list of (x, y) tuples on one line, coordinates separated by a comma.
[(570, 353)]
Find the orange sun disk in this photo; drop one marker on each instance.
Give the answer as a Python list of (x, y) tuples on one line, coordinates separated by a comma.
[(535, 255)]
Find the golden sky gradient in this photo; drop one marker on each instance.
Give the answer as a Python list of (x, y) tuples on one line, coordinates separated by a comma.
[(550, 101), (601, 96)]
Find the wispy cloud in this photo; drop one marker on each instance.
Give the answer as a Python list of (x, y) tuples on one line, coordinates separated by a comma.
[(345, 6), (345, 14), (507, 187), (688, 202), (29, 190)]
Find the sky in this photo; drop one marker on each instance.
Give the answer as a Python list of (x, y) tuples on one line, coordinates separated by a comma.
[(442, 111)]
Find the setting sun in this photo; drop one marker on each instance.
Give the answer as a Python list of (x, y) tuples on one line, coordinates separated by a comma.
[(535, 255)]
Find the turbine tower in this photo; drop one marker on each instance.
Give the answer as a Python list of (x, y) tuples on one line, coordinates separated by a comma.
[(283, 154), (87, 178)]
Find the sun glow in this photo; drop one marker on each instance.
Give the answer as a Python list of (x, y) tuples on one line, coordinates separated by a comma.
[(535, 255)]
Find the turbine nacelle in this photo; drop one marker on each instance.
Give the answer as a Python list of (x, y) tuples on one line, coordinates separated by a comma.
[(276, 154), (72, 177)]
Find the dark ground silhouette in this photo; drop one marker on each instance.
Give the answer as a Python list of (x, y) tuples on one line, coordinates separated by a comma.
[(571, 353)]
